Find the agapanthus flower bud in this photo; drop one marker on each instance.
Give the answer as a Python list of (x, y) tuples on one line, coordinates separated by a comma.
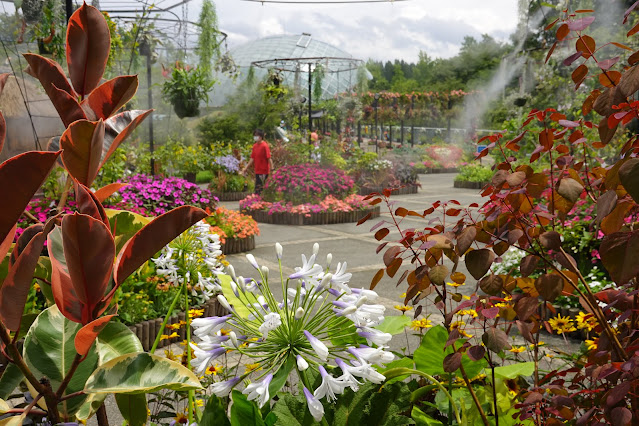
[(265, 272), (231, 271), (301, 363), (315, 249), (252, 261), (233, 338), (299, 313), (225, 304), (278, 250), (329, 259)]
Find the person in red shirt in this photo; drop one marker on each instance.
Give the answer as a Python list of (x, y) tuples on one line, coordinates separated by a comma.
[(261, 158)]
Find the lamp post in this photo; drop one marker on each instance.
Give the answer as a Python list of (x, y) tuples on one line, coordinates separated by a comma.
[(376, 129), (310, 117), (301, 107)]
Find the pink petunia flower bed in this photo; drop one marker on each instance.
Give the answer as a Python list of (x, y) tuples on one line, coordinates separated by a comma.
[(329, 204)]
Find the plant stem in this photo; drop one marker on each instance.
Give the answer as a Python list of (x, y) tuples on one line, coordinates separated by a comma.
[(492, 370), (65, 193), (166, 319), (472, 393), (188, 348), (76, 362)]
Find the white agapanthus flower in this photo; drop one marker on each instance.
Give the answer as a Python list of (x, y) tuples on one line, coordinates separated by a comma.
[(193, 257), (319, 311)]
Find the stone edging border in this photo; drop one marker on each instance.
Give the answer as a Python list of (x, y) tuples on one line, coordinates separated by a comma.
[(231, 196), (442, 170), (322, 218), (469, 185), (408, 189), (147, 330), (238, 245)]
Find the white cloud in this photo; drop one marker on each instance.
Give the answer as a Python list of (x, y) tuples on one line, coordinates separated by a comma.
[(382, 31)]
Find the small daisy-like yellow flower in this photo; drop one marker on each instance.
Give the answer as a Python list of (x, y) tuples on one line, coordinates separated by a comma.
[(539, 344), (181, 418), (170, 355), (562, 324), (517, 349), (471, 312), (214, 369), (420, 324), (459, 326), (36, 286), (591, 345), (402, 296), (252, 367), (549, 355), (403, 308), (199, 402), (455, 284), (224, 332), (508, 298), (196, 313), (183, 343), (481, 376), (175, 326), (586, 321), (169, 336)]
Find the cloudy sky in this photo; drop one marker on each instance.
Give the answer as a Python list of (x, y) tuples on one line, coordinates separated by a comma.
[(382, 31)]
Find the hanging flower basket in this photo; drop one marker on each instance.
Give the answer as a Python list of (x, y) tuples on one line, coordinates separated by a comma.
[(186, 107)]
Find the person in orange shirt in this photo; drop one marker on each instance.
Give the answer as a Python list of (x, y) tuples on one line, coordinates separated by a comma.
[(261, 158)]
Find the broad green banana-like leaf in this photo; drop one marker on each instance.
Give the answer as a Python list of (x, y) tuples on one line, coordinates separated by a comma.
[(49, 351), (114, 340), (141, 373)]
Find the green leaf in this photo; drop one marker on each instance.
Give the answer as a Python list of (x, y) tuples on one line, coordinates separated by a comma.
[(385, 408), (280, 377), (292, 411), (11, 378), (43, 270), (214, 413), (140, 373), (133, 408), (49, 351), (271, 419), (429, 357), (116, 339), (125, 224), (238, 305), (395, 324), (398, 363), (423, 419), (514, 370), (244, 412)]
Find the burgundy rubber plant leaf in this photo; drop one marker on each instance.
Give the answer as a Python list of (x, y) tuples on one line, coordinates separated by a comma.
[(82, 144), (88, 46), (20, 178), (111, 95), (86, 335)]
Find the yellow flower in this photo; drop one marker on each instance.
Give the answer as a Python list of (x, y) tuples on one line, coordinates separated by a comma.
[(224, 332), (36, 286), (196, 313), (165, 337), (459, 326), (517, 349), (420, 324), (403, 295), (175, 326), (539, 344), (587, 321), (455, 284), (170, 355), (592, 344), (471, 312), (199, 402), (252, 367), (403, 308), (213, 369), (561, 324)]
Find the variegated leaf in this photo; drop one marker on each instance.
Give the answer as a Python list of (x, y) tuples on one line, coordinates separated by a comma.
[(141, 373)]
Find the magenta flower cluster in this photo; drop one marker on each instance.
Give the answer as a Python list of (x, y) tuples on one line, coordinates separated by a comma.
[(42, 209), (307, 183), (328, 204), (155, 195)]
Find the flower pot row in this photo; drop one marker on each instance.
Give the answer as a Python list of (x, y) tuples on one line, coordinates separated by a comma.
[(231, 196), (321, 218), (404, 190), (469, 185), (147, 330), (238, 245)]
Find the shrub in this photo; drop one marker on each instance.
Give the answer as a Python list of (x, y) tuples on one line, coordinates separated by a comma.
[(232, 224), (155, 195), (447, 156), (307, 183), (474, 173)]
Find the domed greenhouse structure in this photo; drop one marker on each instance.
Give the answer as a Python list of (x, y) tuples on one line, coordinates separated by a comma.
[(291, 54)]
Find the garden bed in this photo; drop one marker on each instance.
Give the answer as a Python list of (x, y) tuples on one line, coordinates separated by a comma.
[(442, 170), (469, 185), (147, 330), (320, 218), (404, 190), (238, 245), (231, 196)]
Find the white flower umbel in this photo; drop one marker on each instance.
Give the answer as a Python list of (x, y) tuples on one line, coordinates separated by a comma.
[(319, 311), (197, 252)]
